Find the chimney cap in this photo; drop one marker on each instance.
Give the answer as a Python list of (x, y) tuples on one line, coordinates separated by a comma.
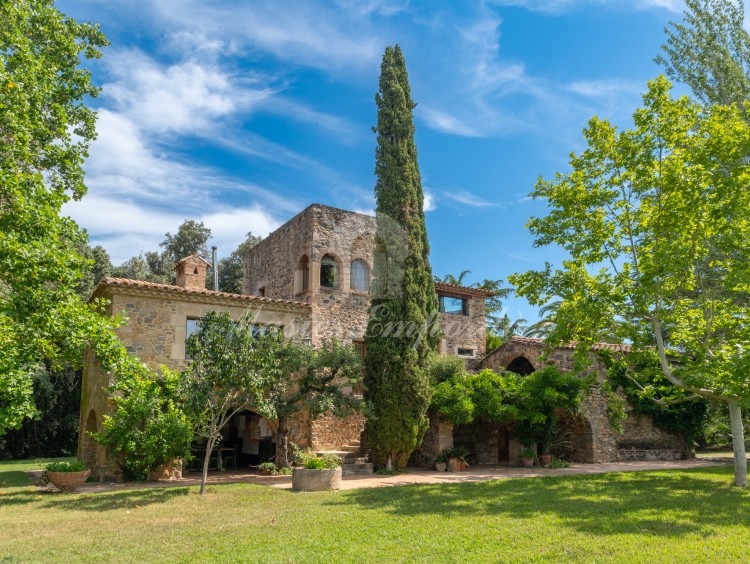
[(192, 258)]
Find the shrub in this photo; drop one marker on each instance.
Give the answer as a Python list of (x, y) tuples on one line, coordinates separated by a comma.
[(269, 467), (65, 466), (148, 428), (311, 461)]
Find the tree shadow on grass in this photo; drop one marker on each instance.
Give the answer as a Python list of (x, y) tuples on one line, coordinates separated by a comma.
[(112, 501), (668, 503)]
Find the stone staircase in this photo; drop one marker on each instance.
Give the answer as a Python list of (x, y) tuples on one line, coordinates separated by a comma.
[(355, 461)]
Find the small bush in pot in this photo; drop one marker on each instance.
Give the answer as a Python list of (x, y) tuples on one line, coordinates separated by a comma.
[(268, 469), (527, 457), (67, 475)]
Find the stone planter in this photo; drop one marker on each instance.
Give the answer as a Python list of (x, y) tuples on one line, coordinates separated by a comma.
[(441, 466), (310, 480), (68, 481), (171, 470)]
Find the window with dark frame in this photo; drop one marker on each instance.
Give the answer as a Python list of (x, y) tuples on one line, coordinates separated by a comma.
[(453, 305), (464, 352)]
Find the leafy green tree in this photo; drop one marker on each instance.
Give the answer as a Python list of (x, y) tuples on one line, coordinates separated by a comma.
[(709, 51), (53, 430), (99, 267), (45, 131), (639, 214), (191, 237), (402, 329), (318, 380), (148, 426), (546, 323), (232, 365), (232, 268), (503, 329)]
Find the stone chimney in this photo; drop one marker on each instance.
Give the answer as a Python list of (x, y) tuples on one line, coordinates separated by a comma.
[(191, 272)]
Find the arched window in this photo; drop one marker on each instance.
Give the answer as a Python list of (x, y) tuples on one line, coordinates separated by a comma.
[(302, 276), (328, 272), (360, 276)]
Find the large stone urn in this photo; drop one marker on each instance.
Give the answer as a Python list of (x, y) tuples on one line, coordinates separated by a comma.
[(68, 481), (314, 480)]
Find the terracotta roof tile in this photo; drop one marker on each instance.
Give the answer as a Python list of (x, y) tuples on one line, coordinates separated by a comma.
[(572, 345), (146, 285), (464, 290)]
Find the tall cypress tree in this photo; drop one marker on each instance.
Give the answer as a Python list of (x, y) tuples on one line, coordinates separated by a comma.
[(402, 328)]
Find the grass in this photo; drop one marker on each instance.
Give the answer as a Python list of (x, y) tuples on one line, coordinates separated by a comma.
[(664, 516)]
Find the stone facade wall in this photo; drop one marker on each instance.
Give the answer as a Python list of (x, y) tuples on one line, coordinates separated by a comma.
[(464, 331), (593, 436), (329, 432), (339, 312), (439, 436), (155, 332)]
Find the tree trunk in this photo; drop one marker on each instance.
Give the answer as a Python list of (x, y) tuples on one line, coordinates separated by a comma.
[(209, 447), (738, 444), (282, 444)]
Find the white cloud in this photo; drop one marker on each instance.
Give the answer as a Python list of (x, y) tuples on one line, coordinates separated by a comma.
[(185, 97), (468, 199), (557, 6), (312, 34), (125, 227), (429, 201)]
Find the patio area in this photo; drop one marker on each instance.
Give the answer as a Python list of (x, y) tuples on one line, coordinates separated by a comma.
[(409, 476)]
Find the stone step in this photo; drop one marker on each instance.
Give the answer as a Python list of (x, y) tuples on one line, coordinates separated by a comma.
[(341, 453), (350, 469), (350, 448), (355, 443)]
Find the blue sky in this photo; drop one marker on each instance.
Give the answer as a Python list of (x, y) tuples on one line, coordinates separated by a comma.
[(240, 114)]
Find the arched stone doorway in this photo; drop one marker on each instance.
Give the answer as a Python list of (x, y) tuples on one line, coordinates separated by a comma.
[(576, 441), (521, 366)]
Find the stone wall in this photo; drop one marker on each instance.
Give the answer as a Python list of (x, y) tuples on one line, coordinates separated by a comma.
[(155, 332), (329, 432), (464, 331), (593, 436), (439, 436)]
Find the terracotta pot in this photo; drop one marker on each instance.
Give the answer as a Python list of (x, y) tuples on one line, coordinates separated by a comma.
[(309, 480), (454, 465), (545, 459), (68, 481), (527, 462), (440, 466), (464, 466)]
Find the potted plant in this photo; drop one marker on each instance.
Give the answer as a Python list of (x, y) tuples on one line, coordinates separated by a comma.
[(527, 457), (67, 476), (267, 468), (317, 473), (441, 462), (457, 459)]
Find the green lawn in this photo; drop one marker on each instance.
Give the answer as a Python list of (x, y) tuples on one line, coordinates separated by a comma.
[(665, 516)]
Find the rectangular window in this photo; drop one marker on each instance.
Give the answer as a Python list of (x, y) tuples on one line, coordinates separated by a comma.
[(453, 305), (191, 326), (465, 352)]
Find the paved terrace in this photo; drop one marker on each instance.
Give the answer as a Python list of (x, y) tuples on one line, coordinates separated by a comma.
[(410, 476)]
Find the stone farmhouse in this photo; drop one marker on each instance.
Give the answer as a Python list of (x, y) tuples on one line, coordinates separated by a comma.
[(312, 278)]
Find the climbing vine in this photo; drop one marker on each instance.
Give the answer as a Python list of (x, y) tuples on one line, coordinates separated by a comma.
[(650, 393)]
